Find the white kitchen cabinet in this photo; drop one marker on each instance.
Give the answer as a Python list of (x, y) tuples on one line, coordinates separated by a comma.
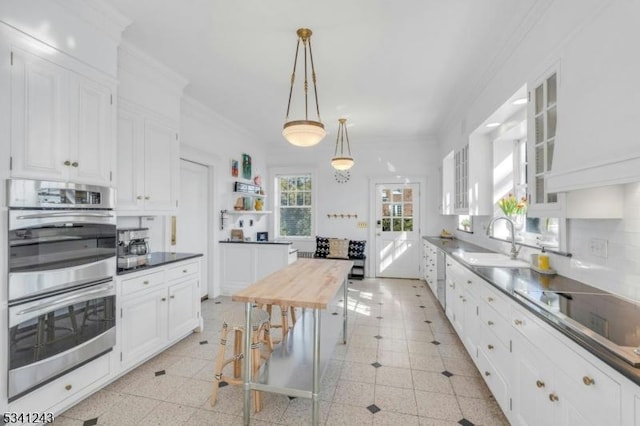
[(61, 121), (448, 184), (148, 162), (474, 177), (464, 313), (158, 307), (461, 164), (245, 263), (543, 119), (430, 266)]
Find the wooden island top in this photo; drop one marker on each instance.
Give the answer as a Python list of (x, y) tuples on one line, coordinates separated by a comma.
[(306, 283)]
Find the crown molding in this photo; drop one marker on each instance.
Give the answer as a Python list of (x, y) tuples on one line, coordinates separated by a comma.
[(99, 15), (196, 109)]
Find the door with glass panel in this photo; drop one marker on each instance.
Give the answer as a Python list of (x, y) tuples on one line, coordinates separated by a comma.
[(397, 230)]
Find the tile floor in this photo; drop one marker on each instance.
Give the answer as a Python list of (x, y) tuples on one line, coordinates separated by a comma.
[(403, 364)]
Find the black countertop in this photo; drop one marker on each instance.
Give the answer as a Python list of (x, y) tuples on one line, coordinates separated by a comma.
[(159, 258), (510, 280)]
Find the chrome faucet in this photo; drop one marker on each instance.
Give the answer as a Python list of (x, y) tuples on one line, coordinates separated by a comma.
[(514, 250)]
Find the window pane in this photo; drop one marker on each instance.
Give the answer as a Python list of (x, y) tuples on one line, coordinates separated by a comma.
[(307, 198), (386, 195), (539, 129), (386, 211), (408, 194), (386, 225), (397, 196), (540, 159), (408, 209), (307, 184), (299, 199), (295, 222), (292, 198), (549, 155), (397, 224), (284, 199), (408, 224), (540, 189), (552, 120), (397, 210), (539, 99), (552, 90)]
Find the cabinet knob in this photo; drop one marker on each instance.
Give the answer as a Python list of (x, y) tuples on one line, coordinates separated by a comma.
[(147, 197), (588, 381), (539, 383), (68, 387), (67, 163), (145, 282), (173, 296), (553, 397), (184, 271), (490, 347), (517, 322), (448, 264), (74, 164), (451, 285), (469, 281), (486, 373), (164, 299), (464, 300), (489, 322), (139, 197), (490, 299)]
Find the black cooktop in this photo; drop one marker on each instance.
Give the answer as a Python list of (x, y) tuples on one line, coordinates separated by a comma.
[(611, 320)]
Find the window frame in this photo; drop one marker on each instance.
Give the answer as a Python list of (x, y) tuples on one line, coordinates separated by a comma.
[(289, 172)]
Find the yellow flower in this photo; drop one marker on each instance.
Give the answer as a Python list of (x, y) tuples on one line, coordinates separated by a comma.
[(510, 205)]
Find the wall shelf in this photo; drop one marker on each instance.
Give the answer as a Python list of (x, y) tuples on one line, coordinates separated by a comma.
[(238, 212)]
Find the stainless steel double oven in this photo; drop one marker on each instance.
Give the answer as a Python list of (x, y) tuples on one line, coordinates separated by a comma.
[(61, 292)]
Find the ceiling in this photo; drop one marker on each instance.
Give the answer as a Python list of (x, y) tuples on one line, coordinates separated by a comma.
[(395, 69)]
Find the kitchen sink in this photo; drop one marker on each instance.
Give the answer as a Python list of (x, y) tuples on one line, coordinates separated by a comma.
[(490, 259)]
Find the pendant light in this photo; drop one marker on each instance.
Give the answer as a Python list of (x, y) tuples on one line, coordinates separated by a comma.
[(342, 161), (304, 132)]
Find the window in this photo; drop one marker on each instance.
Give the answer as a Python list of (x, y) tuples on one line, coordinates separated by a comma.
[(465, 223), (294, 205)]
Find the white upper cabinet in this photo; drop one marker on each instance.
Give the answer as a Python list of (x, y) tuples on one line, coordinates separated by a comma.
[(148, 162), (597, 128), (542, 141), (448, 184), (61, 122)]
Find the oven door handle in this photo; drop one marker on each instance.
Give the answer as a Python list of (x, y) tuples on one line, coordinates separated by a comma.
[(64, 214), (65, 300)]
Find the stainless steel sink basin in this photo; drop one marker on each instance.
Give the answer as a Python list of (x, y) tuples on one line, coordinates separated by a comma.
[(490, 259)]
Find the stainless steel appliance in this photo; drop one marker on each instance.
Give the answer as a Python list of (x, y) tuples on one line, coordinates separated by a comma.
[(133, 247), (62, 258), (441, 286)]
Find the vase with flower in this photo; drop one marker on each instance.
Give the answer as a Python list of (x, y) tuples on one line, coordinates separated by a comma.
[(515, 209)]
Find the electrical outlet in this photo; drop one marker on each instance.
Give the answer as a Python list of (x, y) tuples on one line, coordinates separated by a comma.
[(599, 247)]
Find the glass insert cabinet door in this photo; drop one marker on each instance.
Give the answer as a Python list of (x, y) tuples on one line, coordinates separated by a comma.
[(397, 230)]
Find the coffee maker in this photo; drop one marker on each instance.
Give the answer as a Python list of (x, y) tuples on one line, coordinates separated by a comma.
[(133, 247)]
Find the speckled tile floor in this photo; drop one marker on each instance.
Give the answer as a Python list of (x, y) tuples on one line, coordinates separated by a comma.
[(403, 365)]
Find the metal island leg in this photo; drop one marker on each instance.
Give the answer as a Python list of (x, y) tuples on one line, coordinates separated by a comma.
[(247, 363), (315, 395)]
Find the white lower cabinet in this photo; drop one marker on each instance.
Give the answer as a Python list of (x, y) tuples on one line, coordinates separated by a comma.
[(157, 308), (537, 375)]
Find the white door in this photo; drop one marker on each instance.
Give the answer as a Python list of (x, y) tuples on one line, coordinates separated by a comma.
[(192, 228), (397, 230)]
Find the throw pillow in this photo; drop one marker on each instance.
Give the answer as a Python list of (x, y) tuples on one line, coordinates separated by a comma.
[(356, 248), (322, 247), (338, 249)]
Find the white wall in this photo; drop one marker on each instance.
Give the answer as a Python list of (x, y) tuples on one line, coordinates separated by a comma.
[(562, 36), (380, 160)]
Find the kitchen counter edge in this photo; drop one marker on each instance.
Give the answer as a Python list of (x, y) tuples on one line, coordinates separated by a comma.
[(159, 258)]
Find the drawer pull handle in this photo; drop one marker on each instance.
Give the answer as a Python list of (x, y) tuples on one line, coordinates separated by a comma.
[(489, 322), (67, 163), (469, 281), (553, 397), (490, 347), (172, 296), (74, 164), (490, 299), (517, 322), (147, 198), (164, 299), (588, 381), (68, 387), (145, 282), (184, 271), (540, 384), (486, 373)]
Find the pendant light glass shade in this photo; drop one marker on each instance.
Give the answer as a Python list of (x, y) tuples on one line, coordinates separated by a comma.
[(304, 132), (342, 160)]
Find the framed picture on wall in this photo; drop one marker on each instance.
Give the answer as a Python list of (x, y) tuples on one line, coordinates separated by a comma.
[(234, 168), (246, 166)]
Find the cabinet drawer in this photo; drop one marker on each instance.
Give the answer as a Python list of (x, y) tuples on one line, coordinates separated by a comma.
[(494, 380), (496, 300), (183, 270), (132, 285), (495, 323), (496, 351), (52, 394)]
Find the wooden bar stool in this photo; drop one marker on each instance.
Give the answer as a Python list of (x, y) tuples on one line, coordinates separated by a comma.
[(260, 326), (285, 310)]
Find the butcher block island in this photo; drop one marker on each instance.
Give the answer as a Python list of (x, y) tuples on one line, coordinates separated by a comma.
[(297, 362)]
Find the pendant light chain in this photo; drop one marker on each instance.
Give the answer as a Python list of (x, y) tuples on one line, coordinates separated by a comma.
[(293, 78), (306, 83), (315, 85)]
